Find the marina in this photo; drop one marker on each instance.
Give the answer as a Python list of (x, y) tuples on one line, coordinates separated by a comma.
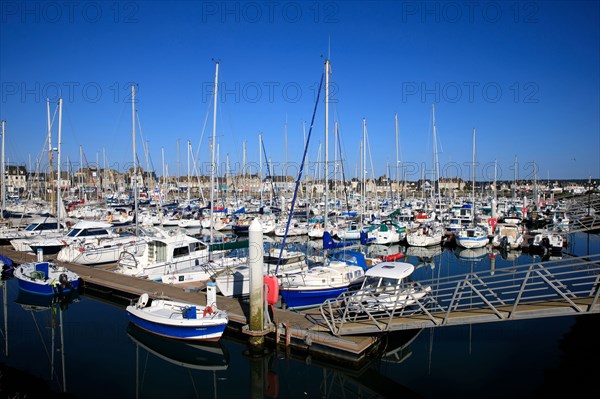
[(407, 353), (539, 289), (326, 200), (345, 323)]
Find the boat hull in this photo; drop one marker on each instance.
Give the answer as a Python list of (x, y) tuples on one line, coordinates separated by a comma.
[(178, 320), (307, 298), (191, 332)]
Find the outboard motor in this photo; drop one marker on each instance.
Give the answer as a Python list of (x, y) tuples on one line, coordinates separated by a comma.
[(504, 242), (64, 280)]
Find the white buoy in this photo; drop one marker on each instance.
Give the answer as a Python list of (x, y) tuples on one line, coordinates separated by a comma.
[(211, 294)]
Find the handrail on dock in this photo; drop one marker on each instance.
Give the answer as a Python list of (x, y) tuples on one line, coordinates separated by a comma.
[(570, 286)]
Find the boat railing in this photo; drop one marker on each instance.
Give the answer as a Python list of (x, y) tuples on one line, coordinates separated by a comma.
[(126, 257)]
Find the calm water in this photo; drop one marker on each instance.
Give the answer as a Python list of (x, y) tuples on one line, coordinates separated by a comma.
[(98, 355)]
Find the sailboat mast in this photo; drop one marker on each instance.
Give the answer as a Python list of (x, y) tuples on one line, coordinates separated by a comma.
[(164, 181), (212, 152), (326, 143), (3, 193), (335, 161), (535, 191), (364, 170), (189, 187), (58, 199), (134, 176), (244, 170), (397, 145), (81, 191), (473, 185), (260, 163), (436, 177), (50, 155)]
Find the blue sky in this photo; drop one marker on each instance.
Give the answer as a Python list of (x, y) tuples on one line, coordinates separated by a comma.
[(525, 75)]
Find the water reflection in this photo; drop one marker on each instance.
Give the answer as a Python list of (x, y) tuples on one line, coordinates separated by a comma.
[(425, 256), (208, 356), (44, 310)]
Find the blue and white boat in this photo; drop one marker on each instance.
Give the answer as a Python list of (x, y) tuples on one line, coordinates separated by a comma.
[(319, 283), (46, 278), (178, 320)]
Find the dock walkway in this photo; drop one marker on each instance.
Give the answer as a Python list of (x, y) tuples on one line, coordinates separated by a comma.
[(300, 330)]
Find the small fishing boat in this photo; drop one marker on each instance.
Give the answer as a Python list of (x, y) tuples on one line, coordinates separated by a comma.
[(545, 241), (507, 236), (178, 320), (387, 288), (46, 278), (472, 237)]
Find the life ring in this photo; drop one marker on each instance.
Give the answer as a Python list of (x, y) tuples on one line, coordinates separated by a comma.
[(208, 311)]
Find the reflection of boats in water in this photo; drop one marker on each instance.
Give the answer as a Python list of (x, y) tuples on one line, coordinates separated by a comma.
[(55, 305), (34, 302), (378, 250), (475, 254), (424, 252), (193, 355), (425, 255), (508, 255)]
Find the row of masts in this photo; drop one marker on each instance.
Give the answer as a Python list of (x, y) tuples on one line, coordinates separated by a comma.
[(213, 147)]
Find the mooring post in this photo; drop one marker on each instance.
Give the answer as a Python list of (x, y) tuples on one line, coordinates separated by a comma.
[(255, 254)]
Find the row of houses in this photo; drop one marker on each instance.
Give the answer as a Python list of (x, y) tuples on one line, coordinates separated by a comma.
[(19, 180)]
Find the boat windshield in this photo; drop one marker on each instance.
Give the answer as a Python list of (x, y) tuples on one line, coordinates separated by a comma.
[(73, 232)]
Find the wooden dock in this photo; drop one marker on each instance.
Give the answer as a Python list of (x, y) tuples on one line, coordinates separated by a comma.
[(297, 330)]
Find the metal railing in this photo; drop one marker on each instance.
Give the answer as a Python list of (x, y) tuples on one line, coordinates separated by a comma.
[(569, 286)]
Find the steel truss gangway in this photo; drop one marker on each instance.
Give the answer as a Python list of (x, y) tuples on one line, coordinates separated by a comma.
[(583, 211), (541, 289)]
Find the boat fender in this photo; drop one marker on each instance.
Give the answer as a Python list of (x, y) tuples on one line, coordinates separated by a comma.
[(208, 311), (272, 292), (142, 301)]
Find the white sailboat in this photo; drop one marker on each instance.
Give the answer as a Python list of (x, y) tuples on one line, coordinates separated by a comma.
[(431, 233), (474, 236)]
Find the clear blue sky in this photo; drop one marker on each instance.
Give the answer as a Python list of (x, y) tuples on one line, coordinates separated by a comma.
[(524, 74)]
